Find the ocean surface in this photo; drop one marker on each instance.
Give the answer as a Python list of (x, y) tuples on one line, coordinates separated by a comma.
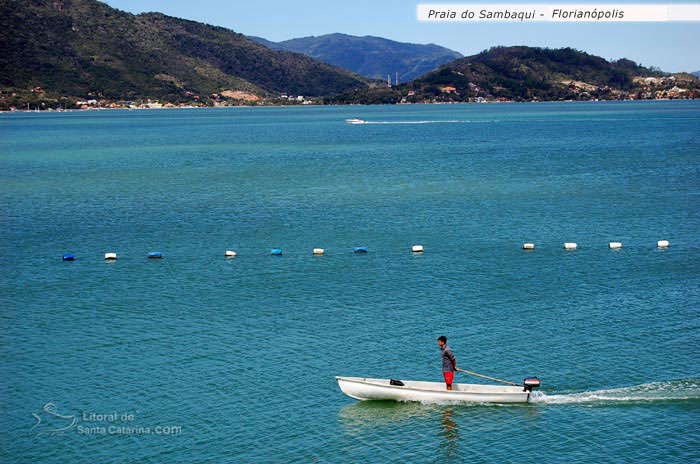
[(198, 358)]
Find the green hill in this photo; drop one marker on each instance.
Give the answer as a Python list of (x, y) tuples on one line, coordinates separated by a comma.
[(82, 48), (369, 56), (529, 73)]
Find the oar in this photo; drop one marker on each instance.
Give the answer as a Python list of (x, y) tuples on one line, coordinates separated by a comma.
[(486, 377)]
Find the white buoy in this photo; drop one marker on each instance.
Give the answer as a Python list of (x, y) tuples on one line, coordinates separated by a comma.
[(528, 246), (110, 256), (319, 251), (614, 245), (570, 246), (230, 254), (417, 248), (662, 244)]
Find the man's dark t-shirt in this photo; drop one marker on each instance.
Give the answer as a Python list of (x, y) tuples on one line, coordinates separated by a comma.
[(447, 359)]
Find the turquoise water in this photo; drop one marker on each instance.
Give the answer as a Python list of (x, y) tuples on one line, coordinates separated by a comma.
[(233, 360)]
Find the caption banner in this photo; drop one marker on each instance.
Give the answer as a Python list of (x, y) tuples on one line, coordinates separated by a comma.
[(560, 13)]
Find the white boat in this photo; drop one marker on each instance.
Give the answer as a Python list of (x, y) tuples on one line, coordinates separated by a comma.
[(356, 121), (361, 388)]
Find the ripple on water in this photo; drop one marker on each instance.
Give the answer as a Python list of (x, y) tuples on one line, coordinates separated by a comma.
[(243, 353)]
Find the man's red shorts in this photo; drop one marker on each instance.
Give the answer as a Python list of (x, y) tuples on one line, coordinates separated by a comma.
[(449, 377)]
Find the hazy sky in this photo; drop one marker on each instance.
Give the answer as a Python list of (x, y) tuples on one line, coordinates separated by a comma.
[(670, 46)]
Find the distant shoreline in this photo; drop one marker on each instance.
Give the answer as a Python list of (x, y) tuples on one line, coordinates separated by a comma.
[(100, 109)]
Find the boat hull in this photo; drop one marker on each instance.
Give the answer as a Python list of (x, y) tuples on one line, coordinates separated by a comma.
[(365, 389)]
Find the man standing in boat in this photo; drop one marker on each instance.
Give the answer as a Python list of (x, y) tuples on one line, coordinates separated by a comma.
[(449, 362)]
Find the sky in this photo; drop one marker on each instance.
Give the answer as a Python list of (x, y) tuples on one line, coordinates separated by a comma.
[(673, 47)]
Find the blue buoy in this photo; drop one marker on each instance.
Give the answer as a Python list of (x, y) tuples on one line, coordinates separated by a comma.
[(69, 257), (155, 255), (276, 252), (360, 249)]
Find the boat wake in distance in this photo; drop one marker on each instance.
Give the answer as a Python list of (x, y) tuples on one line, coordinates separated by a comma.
[(435, 121)]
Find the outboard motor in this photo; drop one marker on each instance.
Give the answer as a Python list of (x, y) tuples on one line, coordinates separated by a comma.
[(531, 382)]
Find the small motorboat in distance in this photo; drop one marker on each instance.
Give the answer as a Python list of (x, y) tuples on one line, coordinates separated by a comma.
[(356, 121), (361, 388)]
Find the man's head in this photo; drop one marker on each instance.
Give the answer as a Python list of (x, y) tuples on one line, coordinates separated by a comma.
[(442, 341)]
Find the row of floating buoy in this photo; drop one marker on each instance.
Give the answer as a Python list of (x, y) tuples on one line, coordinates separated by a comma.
[(319, 251), (232, 254), (611, 245), (113, 256), (359, 250)]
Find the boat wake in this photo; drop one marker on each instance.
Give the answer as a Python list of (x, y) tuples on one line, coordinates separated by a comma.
[(450, 121), (676, 390)]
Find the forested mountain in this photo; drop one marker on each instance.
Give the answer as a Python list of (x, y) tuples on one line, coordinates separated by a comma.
[(528, 73), (86, 48), (369, 56), (56, 52)]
